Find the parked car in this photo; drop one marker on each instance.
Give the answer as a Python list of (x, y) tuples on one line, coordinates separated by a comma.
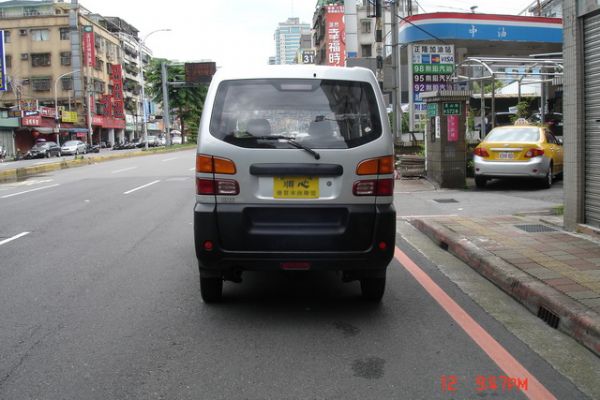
[(554, 122), (153, 141), (44, 149), (73, 147), (267, 201), (524, 151), (176, 139), (502, 118)]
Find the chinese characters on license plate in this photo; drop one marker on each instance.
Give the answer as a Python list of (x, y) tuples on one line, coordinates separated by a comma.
[(296, 187), (506, 155)]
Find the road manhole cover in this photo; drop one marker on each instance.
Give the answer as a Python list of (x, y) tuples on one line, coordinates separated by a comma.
[(535, 228)]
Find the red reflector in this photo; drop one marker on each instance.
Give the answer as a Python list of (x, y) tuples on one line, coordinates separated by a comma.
[(385, 187), (208, 245), (205, 186), (295, 265), (382, 245)]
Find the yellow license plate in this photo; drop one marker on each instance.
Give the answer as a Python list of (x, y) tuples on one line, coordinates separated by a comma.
[(296, 187)]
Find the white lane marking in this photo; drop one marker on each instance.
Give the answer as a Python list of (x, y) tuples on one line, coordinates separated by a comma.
[(28, 191), (141, 187), (170, 159), (122, 170), (14, 238)]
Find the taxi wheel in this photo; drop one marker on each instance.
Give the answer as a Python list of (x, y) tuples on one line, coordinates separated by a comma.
[(548, 179), (211, 289), (480, 181)]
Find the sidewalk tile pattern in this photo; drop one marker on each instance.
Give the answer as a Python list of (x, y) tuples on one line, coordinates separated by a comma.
[(567, 262)]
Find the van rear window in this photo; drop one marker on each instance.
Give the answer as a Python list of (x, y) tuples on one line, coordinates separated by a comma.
[(322, 114)]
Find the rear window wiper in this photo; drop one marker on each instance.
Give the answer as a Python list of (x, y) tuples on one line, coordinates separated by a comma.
[(289, 139)]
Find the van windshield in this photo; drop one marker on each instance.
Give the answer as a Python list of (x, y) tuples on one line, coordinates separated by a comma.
[(322, 114)]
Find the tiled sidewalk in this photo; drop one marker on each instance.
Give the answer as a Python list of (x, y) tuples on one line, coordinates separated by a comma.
[(538, 264)]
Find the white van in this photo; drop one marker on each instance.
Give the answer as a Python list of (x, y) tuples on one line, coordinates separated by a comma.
[(294, 171)]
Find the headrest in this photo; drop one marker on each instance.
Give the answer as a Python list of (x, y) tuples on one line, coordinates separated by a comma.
[(259, 127)]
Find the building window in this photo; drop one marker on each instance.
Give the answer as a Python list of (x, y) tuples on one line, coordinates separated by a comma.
[(98, 86), (67, 82), (40, 60), (65, 33), (41, 84), (65, 58), (366, 50), (99, 64), (30, 12), (365, 26), (8, 61), (6, 36), (40, 35)]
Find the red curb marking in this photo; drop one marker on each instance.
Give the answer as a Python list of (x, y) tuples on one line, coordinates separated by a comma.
[(484, 340)]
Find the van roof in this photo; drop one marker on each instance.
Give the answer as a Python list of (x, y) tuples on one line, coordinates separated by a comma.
[(296, 71)]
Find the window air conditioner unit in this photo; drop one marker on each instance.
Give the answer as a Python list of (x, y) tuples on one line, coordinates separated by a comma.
[(23, 32), (24, 56)]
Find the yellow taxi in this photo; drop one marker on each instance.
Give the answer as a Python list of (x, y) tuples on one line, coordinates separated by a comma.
[(518, 151)]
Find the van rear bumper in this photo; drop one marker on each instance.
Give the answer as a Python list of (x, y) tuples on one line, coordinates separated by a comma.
[(371, 260)]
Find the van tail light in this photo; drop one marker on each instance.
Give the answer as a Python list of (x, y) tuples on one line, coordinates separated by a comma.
[(481, 152), (214, 186), (374, 187), (214, 165), (376, 166), (220, 187), (535, 152)]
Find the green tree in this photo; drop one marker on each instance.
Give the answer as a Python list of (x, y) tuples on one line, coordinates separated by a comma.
[(185, 102)]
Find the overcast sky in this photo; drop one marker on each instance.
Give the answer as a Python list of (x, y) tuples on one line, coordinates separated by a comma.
[(238, 31)]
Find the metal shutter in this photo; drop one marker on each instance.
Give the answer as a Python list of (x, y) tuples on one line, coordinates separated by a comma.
[(591, 51)]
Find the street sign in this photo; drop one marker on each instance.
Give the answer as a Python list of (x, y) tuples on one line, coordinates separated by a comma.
[(200, 72), (451, 108), (308, 56), (431, 109)]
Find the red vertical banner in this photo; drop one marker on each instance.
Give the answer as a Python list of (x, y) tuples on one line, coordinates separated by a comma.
[(452, 121), (116, 80), (335, 36), (89, 46)]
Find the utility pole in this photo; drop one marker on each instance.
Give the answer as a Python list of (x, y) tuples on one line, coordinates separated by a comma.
[(379, 39), (396, 71), (166, 111)]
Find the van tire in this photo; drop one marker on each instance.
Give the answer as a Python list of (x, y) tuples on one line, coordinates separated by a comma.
[(372, 288), (211, 289)]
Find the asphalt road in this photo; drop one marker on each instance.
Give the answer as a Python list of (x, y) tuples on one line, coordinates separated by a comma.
[(100, 300)]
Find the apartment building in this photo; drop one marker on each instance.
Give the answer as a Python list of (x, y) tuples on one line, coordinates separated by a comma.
[(57, 57)]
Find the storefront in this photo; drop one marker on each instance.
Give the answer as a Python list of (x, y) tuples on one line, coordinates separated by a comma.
[(107, 129), (582, 113)]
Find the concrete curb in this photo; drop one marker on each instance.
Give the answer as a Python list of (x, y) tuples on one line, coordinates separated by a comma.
[(15, 174), (576, 320)]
